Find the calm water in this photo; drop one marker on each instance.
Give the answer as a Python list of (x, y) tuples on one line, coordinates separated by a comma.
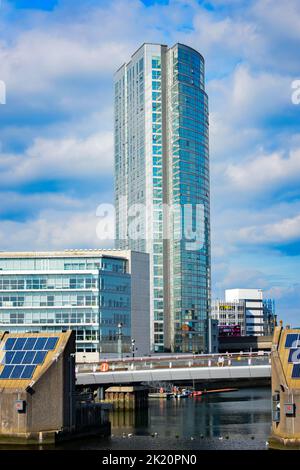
[(234, 420)]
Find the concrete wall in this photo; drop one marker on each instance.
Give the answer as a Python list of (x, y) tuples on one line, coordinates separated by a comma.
[(140, 302), (12, 422), (244, 343), (87, 357), (45, 406)]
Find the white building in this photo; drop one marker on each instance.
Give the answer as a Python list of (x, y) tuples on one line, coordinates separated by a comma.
[(253, 308), (244, 312)]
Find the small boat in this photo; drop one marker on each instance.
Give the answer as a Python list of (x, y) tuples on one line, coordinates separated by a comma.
[(184, 393), (166, 395)]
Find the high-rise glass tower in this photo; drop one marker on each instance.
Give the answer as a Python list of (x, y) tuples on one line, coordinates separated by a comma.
[(162, 187)]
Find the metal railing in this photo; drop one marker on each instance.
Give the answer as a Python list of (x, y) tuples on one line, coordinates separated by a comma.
[(175, 362)]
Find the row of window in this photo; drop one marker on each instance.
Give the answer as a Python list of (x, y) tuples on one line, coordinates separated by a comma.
[(63, 318), (106, 264), (48, 283), (61, 300)]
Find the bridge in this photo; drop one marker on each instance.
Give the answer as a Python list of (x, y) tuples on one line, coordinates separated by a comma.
[(180, 368)]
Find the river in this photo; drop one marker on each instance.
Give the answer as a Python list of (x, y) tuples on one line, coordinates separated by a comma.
[(232, 420)]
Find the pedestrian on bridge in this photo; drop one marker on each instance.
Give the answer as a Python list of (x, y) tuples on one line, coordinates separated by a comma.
[(220, 361)]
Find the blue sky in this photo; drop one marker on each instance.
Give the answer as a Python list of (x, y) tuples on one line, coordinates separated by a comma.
[(56, 163)]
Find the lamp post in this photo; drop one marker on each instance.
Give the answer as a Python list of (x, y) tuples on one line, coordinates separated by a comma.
[(133, 347), (120, 326)]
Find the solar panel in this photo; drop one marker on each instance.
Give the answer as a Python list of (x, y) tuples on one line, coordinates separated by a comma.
[(39, 357), (18, 357), (19, 344), (17, 372), (6, 372), (8, 357), (290, 339), (294, 355), (51, 343), (28, 372), (29, 345), (28, 358), (296, 371), (40, 344), (9, 343)]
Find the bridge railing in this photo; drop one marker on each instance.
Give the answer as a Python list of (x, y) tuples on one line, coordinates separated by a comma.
[(170, 362)]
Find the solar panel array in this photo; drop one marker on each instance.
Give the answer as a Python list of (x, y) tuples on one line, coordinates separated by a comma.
[(22, 355)]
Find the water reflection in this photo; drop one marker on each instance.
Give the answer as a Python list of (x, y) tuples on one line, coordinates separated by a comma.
[(244, 412), (129, 421)]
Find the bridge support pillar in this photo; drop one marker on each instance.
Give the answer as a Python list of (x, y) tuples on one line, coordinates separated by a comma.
[(127, 398), (100, 394)]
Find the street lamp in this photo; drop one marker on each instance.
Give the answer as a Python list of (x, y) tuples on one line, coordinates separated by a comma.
[(133, 347), (120, 326)]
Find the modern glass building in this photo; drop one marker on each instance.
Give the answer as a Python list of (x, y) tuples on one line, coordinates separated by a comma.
[(89, 291), (162, 187)]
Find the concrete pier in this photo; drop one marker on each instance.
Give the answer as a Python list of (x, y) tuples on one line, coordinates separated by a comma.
[(127, 398)]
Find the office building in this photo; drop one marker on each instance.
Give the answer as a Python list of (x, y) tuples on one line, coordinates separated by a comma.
[(162, 187), (101, 294), (244, 313), (253, 303), (230, 316)]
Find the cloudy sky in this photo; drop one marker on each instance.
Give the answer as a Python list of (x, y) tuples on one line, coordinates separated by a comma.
[(57, 58)]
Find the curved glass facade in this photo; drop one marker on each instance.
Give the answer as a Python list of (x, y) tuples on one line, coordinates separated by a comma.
[(162, 164), (188, 154)]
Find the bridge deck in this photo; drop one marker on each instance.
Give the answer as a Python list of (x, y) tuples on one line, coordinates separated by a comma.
[(246, 367)]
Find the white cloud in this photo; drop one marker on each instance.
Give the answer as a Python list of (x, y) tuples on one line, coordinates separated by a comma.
[(53, 229), (263, 172), (231, 35), (282, 17), (59, 159), (244, 278), (245, 97), (39, 59), (284, 231)]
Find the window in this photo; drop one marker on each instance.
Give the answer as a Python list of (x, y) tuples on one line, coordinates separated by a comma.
[(156, 63)]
